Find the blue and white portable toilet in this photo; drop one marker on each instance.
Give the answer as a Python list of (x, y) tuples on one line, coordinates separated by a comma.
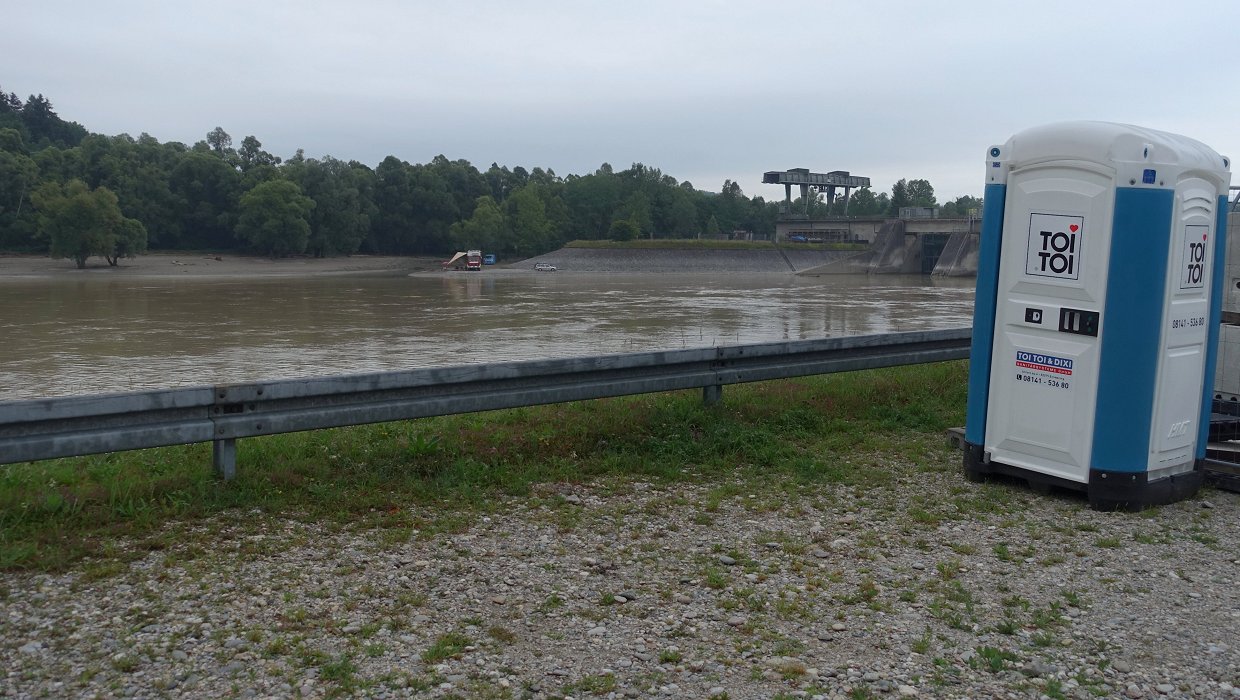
[(1097, 311)]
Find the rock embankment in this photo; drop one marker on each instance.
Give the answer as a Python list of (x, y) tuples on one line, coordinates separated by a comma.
[(770, 260)]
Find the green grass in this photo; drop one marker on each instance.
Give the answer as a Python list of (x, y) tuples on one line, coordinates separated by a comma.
[(436, 475), (706, 244), (446, 646), (992, 659)]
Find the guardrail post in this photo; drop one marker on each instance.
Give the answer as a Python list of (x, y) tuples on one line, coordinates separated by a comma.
[(711, 394), (224, 458)]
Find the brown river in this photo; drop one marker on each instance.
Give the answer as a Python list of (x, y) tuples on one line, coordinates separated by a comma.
[(61, 336)]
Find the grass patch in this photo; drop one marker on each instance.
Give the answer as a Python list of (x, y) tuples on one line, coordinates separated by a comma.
[(992, 659), (446, 646), (866, 430)]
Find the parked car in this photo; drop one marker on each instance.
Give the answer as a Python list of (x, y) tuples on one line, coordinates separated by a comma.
[(544, 267)]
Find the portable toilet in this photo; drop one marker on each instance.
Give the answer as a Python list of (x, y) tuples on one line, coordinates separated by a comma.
[(1097, 311)]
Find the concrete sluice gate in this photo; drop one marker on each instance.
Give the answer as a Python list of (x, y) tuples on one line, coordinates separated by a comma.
[(896, 250)]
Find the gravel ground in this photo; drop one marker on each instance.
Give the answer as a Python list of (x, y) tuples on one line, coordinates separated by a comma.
[(929, 587)]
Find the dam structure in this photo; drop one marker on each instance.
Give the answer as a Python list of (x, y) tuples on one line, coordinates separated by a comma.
[(910, 246), (916, 242)]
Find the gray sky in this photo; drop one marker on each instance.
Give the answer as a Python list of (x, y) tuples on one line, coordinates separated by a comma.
[(702, 90)]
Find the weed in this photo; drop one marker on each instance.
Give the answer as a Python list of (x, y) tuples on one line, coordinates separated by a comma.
[(501, 634), (1007, 626), (949, 569), (670, 656), (276, 647), (1054, 689), (341, 671), (599, 684), (1048, 618), (992, 658), (446, 646), (922, 644)]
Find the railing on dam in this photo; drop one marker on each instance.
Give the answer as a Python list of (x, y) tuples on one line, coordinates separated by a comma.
[(80, 425)]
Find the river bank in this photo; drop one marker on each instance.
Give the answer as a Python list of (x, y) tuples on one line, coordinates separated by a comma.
[(183, 265), (188, 264)]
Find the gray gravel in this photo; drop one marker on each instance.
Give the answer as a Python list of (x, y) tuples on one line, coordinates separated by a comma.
[(931, 587)]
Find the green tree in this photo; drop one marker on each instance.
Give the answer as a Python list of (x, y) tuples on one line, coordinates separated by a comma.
[(964, 205), (415, 209), (593, 200), (623, 230), (206, 191), (762, 217), (18, 176), (251, 155), (899, 198), (730, 207), (921, 193), (712, 226), (683, 215), (883, 200), (637, 210), (80, 222), (138, 171), (483, 230), (862, 202), (341, 217), (275, 218), (45, 127), (527, 219), (462, 180), (220, 142), (559, 217)]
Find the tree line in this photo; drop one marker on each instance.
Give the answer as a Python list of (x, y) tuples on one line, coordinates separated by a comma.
[(70, 193)]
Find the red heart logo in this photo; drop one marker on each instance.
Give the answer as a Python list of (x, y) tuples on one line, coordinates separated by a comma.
[(1073, 228)]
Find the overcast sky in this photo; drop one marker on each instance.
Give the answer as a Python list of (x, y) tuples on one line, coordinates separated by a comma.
[(705, 91)]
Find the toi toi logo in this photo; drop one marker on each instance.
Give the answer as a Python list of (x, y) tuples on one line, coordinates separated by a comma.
[(1055, 243), (1193, 273), (1058, 252)]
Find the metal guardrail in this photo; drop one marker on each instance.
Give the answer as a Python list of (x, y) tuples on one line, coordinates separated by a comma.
[(80, 425)]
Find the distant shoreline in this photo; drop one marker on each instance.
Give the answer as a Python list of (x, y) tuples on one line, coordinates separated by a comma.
[(205, 265), (568, 260)]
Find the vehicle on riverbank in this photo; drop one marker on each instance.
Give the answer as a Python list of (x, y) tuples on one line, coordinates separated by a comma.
[(544, 267)]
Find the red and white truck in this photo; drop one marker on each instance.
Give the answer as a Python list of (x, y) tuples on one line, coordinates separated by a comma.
[(473, 260)]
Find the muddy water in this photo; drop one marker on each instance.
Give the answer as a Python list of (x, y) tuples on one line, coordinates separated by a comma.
[(61, 337)]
